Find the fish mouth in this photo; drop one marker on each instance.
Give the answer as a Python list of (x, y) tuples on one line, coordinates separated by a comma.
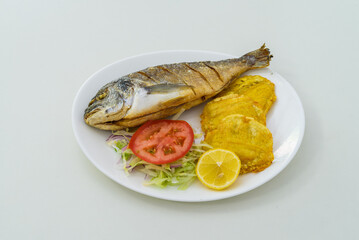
[(88, 115), (93, 107), (104, 114)]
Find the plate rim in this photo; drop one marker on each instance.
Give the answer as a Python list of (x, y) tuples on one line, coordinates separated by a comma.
[(220, 197)]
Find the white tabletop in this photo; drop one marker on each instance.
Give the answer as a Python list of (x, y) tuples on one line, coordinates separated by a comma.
[(49, 189)]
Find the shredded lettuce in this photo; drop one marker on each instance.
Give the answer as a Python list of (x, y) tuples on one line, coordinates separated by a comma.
[(180, 173), (177, 115), (121, 144), (123, 132), (127, 154)]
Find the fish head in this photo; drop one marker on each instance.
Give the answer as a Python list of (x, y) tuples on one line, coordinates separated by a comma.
[(109, 104)]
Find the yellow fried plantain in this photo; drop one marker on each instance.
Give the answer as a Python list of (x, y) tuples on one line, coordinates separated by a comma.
[(258, 88), (249, 139), (221, 107)]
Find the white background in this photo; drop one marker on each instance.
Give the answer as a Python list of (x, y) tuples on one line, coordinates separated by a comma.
[(49, 190)]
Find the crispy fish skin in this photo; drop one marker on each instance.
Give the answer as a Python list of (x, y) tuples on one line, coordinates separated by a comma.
[(221, 107), (258, 88), (249, 139), (160, 91)]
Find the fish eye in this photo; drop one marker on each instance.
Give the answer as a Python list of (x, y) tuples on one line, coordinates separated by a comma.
[(102, 96), (92, 101)]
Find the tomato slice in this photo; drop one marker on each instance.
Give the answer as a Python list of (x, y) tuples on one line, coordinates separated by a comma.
[(162, 141)]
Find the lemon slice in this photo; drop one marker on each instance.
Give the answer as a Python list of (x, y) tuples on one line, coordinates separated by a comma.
[(218, 168)]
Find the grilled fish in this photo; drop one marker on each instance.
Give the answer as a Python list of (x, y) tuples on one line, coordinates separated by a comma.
[(160, 91)]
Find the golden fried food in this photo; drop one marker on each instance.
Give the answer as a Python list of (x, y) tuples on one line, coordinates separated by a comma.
[(249, 139), (258, 88), (160, 91), (236, 119), (224, 106)]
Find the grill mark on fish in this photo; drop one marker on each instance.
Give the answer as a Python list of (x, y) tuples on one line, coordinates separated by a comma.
[(165, 69), (146, 75), (177, 77), (142, 78), (200, 74), (213, 69)]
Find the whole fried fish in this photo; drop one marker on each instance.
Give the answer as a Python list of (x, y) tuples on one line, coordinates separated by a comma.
[(160, 91)]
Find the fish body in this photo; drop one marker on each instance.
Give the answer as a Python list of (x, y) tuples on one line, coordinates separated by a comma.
[(160, 91)]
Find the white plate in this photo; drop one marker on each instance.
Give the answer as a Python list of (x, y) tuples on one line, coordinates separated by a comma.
[(285, 120)]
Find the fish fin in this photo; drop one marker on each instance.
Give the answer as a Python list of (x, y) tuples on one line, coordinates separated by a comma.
[(166, 88), (258, 58)]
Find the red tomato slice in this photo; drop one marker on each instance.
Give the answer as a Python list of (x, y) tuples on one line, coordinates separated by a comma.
[(162, 141)]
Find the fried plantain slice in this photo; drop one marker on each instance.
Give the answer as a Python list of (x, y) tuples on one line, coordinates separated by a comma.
[(249, 139), (221, 107), (258, 88)]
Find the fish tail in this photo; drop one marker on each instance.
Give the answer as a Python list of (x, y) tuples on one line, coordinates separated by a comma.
[(259, 58)]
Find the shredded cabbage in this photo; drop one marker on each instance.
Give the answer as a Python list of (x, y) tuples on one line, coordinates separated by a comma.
[(177, 115), (180, 173), (123, 132)]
